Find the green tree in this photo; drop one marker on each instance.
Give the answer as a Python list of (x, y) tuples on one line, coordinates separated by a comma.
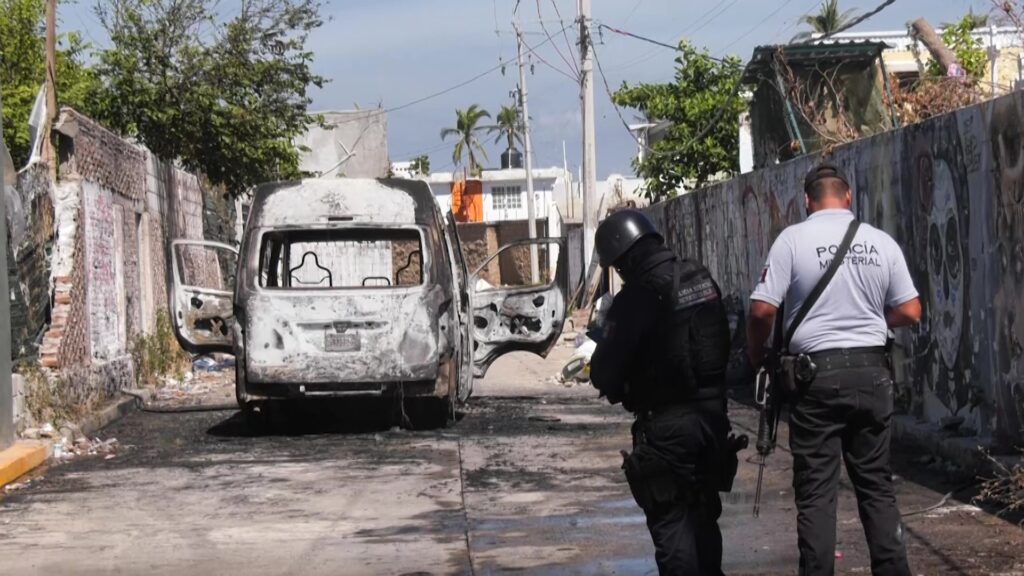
[(703, 110), (508, 125), (976, 20), (225, 97), (467, 126), (420, 165), (23, 71), (970, 51), (829, 18)]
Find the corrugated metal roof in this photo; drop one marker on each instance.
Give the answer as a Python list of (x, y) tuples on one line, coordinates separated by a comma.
[(797, 54)]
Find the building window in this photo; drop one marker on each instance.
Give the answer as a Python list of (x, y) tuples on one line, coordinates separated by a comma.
[(507, 197)]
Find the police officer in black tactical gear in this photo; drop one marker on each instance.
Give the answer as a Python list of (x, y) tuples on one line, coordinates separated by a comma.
[(662, 353)]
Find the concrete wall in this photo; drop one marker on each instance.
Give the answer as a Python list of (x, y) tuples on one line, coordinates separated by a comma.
[(353, 144), (951, 191)]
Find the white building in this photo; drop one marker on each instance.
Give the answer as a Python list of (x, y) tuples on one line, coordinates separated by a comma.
[(504, 191)]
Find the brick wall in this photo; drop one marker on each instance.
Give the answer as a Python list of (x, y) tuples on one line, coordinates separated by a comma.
[(481, 240)]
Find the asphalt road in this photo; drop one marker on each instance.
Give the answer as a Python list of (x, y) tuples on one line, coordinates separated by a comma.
[(527, 481)]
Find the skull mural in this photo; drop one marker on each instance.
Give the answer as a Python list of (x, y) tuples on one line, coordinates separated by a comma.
[(1008, 151), (945, 266), (943, 355)]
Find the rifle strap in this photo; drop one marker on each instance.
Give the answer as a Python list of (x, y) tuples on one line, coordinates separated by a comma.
[(823, 283)]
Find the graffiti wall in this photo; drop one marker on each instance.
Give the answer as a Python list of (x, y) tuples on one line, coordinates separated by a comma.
[(951, 192)]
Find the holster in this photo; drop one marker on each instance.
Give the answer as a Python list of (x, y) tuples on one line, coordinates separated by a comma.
[(652, 482), (731, 461), (795, 373)]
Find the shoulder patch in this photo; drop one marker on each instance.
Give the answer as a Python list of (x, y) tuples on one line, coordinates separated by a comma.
[(699, 291)]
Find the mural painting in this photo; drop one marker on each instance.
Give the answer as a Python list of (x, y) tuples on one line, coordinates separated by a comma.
[(1007, 145)]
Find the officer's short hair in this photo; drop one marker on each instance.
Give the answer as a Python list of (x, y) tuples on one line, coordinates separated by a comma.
[(825, 179)]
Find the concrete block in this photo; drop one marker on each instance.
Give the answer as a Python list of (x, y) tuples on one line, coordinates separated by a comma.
[(20, 459)]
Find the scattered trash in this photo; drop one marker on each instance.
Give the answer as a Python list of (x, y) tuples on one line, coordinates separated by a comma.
[(210, 364), (577, 369), (48, 431), (66, 450), (839, 555)]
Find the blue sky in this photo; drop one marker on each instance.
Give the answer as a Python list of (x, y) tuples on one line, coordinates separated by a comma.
[(392, 52)]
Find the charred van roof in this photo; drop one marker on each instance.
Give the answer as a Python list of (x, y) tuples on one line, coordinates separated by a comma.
[(357, 200)]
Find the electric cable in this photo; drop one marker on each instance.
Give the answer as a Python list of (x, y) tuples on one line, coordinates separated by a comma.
[(565, 33), (756, 26), (850, 24), (431, 96), (700, 135), (554, 44), (645, 39)]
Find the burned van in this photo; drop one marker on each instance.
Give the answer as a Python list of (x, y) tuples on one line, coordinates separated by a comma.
[(359, 287)]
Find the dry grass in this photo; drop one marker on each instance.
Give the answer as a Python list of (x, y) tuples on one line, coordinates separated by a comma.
[(1005, 489), (158, 355)]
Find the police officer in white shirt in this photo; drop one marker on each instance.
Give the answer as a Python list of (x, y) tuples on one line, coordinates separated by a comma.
[(846, 410)]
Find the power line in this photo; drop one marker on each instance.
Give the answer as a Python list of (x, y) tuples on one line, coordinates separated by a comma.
[(700, 135), (756, 26), (568, 62), (565, 27), (852, 23), (645, 39), (697, 25), (501, 64)]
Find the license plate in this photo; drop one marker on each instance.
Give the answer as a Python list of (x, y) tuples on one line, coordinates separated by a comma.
[(341, 342)]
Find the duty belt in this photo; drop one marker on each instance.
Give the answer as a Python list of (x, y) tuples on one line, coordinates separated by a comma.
[(707, 400), (871, 357)]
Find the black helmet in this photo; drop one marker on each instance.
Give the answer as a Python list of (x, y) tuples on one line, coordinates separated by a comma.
[(619, 232)]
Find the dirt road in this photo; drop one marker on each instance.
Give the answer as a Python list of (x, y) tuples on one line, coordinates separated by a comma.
[(528, 481)]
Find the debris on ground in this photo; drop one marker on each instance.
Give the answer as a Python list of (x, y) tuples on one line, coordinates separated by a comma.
[(15, 486), (82, 446), (198, 388), (1006, 488), (213, 364)]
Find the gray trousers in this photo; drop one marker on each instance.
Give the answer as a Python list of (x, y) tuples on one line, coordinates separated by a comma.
[(847, 413)]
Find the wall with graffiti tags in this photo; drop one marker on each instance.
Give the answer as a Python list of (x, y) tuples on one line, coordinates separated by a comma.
[(951, 192)]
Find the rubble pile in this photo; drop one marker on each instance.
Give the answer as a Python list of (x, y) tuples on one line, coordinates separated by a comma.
[(69, 442), (1006, 488), (210, 381)]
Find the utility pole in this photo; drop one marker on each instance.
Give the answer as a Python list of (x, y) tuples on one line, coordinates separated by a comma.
[(51, 89), (531, 209), (589, 180)]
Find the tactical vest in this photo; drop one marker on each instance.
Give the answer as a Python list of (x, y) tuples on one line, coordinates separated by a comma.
[(690, 347)]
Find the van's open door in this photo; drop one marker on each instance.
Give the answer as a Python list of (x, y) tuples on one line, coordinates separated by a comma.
[(518, 300), (202, 295)]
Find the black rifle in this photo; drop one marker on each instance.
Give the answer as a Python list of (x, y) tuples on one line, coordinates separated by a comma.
[(769, 401)]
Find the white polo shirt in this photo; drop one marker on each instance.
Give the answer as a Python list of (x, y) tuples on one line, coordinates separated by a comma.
[(851, 311)]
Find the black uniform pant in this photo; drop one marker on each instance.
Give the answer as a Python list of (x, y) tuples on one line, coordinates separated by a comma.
[(686, 536), (682, 505), (845, 412)]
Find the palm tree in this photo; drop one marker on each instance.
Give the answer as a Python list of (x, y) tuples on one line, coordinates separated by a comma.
[(466, 128), (508, 126), (828, 19)]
